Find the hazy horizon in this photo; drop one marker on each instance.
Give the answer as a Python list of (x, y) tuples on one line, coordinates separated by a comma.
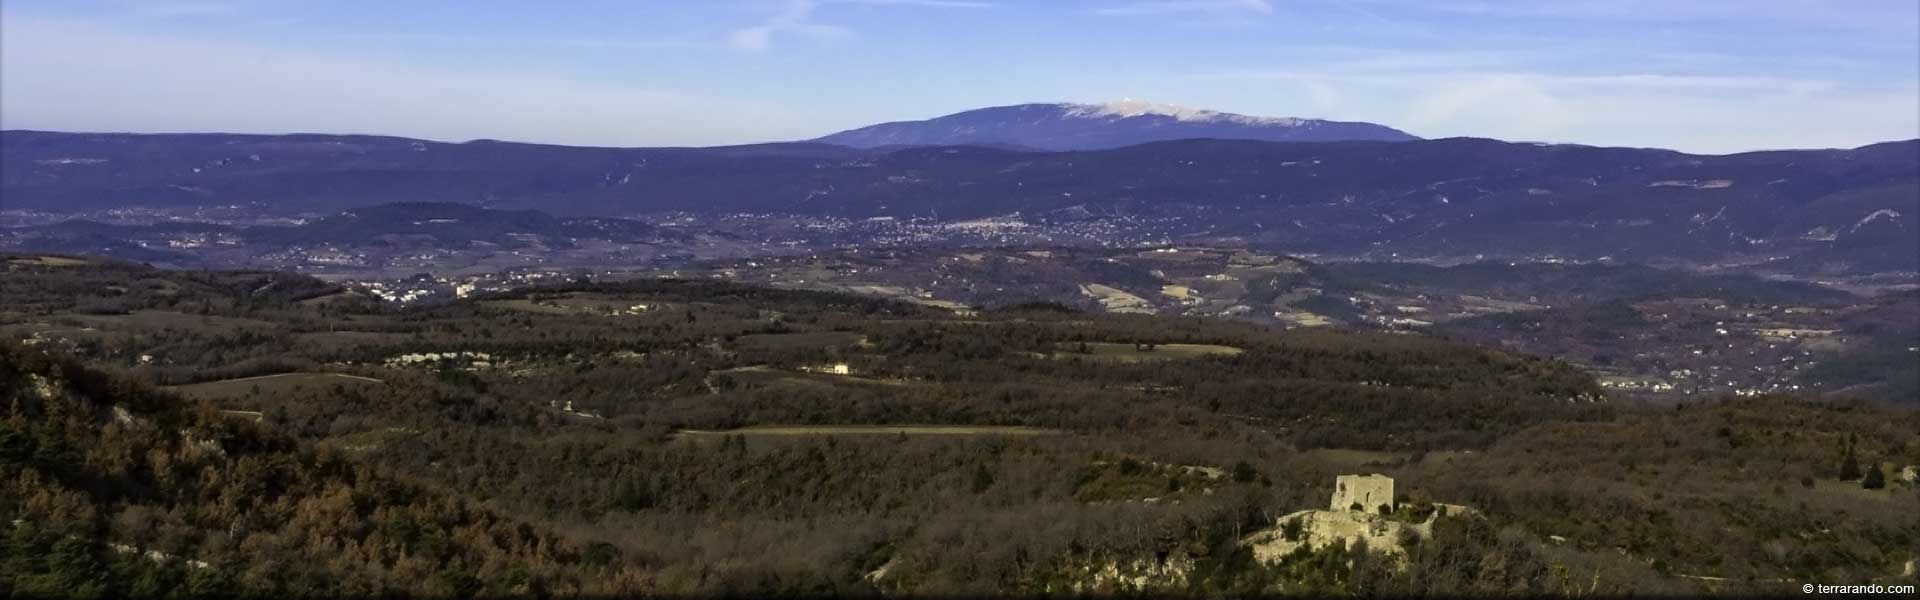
[(1709, 77)]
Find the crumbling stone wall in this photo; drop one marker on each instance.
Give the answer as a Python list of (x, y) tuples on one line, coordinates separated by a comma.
[(1369, 491), (1323, 528)]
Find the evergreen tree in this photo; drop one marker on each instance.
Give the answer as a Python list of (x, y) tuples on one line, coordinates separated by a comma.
[(1244, 473), (1874, 479), (1849, 466), (982, 478)]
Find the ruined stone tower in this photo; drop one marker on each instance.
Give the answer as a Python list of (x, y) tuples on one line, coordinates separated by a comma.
[(1369, 491)]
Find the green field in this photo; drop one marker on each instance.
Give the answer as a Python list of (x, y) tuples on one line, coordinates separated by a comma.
[(575, 304), (346, 339), (792, 341), (50, 261), (1114, 352), (1853, 490), (323, 300), (1346, 458), (166, 319), (792, 430)]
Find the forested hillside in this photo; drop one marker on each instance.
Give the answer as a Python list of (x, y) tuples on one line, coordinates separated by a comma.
[(116, 489), (698, 437)]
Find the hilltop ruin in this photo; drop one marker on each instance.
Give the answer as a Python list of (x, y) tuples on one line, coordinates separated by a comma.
[(1363, 509)]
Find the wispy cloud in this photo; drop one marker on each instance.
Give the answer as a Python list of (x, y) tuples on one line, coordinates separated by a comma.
[(1471, 93), (578, 43), (1175, 7), (187, 8), (923, 3), (1698, 75), (796, 17), (1647, 82), (1896, 17), (67, 75)]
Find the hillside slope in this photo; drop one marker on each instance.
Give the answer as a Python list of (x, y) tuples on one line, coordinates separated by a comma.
[(114, 489), (683, 438)]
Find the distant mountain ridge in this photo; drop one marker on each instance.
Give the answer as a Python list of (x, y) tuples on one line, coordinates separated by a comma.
[(1828, 211), (1068, 126), (444, 224)]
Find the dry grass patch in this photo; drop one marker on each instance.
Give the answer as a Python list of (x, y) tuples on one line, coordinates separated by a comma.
[(792, 430), (49, 261), (1116, 352), (1353, 459)]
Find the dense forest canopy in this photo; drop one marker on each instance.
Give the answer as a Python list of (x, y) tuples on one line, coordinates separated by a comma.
[(252, 433)]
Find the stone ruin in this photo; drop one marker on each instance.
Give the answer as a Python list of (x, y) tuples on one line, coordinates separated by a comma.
[(1341, 524), (1345, 526), (1369, 492)]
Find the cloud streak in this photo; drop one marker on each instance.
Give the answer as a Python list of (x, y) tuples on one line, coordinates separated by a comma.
[(1711, 75), (79, 77), (1426, 96), (796, 18), (1189, 7), (923, 3)]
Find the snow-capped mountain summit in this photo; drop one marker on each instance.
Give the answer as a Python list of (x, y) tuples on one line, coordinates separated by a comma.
[(1128, 108), (1069, 126)]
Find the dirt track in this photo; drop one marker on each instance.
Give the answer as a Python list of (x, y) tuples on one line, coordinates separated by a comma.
[(875, 430)]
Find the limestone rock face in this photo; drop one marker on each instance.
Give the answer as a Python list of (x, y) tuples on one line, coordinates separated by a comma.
[(1321, 528)]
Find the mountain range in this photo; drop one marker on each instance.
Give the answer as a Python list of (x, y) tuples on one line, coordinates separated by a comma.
[(1066, 126), (399, 226), (1807, 211)]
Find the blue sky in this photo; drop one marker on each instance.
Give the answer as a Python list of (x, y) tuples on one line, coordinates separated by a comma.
[(1695, 75)]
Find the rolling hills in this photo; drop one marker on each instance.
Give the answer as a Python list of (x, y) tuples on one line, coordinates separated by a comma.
[(1811, 211), (531, 443)]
